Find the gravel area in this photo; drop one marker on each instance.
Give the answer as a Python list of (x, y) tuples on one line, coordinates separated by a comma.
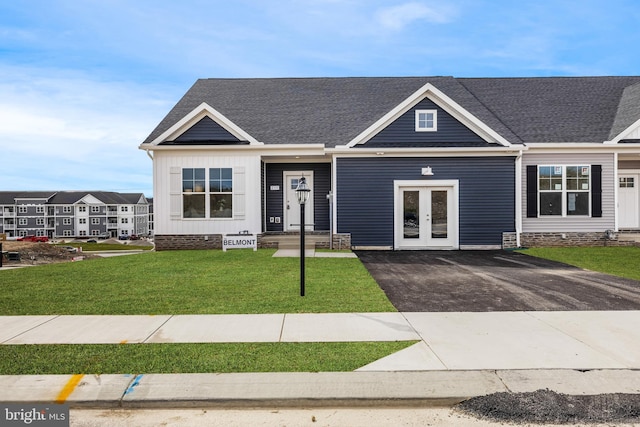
[(549, 407)]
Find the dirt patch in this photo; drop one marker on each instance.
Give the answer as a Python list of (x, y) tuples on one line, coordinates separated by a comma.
[(549, 407), (39, 253)]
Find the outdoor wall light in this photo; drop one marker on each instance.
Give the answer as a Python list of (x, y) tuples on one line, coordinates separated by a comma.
[(427, 171)]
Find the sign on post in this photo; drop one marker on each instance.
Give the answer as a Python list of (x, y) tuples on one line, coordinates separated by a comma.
[(239, 241)]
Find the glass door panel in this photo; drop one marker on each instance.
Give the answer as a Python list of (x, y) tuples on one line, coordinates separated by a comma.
[(439, 214), (411, 209)]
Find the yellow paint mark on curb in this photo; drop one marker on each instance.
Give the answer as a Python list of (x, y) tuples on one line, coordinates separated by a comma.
[(68, 388), (124, 341)]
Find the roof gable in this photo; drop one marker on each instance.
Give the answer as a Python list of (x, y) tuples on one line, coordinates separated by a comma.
[(194, 117), (627, 121), (206, 131), (439, 99)]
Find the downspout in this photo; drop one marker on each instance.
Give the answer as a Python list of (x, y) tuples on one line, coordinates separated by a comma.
[(518, 197), (148, 154), (616, 196)]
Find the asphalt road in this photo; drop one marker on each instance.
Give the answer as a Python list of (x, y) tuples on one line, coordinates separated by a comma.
[(480, 281)]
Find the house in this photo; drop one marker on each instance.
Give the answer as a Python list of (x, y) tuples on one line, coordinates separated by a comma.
[(73, 213), (401, 163)]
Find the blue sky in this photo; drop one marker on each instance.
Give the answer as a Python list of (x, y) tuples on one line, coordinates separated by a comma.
[(83, 82)]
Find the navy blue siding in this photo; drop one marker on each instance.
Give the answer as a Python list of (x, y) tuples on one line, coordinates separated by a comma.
[(365, 196), (402, 133), (206, 130), (321, 187)]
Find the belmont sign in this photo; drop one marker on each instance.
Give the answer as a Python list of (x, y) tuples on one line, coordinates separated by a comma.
[(240, 241)]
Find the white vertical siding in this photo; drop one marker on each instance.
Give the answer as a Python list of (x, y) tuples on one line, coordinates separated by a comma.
[(167, 165), (572, 223)]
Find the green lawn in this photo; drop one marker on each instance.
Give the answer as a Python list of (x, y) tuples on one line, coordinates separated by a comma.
[(191, 282), (191, 358), (619, 261)]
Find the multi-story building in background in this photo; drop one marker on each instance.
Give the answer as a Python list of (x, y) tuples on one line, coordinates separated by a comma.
[(73, 214)]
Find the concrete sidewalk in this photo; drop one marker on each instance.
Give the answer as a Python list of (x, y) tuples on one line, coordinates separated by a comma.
[(458, 355)]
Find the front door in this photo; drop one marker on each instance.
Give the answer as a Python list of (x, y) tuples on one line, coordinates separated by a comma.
[(426, 216), (291, 205), (628, 216)]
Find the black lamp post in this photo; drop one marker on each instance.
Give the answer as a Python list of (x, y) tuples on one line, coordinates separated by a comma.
[(302, 192)]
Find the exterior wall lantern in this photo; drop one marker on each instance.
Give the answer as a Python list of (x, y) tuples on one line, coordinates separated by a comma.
[(427, 171), (302, 193)]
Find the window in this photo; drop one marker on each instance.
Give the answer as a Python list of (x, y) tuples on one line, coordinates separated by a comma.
[(627, 182), (83, 232), (95, 209), (426, 120), (66, 221), (82, 221), (39, 221), (66, 209), (66, 233), (39, 209), (82, 208), (22, 209), (207, 193), (564, 190), (22, 221), (124, 208), (221, 189), (95, 221), (193, 193), (124, 220)]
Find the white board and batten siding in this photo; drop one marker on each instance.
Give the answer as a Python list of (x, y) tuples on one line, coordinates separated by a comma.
[(572, 223), (167, 176)]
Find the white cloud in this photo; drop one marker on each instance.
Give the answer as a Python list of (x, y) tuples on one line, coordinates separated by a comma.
[(70, 131), (398, 17)]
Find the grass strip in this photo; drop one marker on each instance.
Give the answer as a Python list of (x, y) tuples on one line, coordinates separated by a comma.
[(618, 261), (191, 358), (191, 282)]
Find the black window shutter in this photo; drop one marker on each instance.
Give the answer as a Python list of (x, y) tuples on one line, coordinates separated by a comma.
[(532, 191), (596, 191)]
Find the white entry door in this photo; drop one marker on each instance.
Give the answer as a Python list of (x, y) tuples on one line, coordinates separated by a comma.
[(291, 205), (628, 215), (427, 216)]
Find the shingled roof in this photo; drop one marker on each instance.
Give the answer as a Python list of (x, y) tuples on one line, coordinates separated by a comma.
[(333, 111)]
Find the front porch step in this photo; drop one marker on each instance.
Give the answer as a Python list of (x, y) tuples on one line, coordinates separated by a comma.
[(292, 241), (629, 236)]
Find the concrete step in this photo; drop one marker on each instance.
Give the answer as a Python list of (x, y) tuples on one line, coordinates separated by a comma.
[(292, 241)]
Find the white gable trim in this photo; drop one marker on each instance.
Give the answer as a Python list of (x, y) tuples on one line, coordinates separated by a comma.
[(201, 111), (444, 102), (90, 199), (632, 132)]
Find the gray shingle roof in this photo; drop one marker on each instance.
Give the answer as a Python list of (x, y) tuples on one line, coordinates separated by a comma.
[(70, 197), (333, 111)]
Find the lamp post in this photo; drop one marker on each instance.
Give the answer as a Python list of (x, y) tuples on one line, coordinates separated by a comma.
[(302, 193)]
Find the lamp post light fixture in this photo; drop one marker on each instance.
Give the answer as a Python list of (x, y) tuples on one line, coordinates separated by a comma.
[(302, 193)]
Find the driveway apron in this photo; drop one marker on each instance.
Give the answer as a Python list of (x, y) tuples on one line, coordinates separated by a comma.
[(479, 281)]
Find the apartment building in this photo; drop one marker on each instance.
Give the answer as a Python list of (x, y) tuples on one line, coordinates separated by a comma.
[(73, 213)]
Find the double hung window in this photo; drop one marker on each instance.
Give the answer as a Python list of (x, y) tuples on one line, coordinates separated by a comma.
[(564, 190), (207, 193)]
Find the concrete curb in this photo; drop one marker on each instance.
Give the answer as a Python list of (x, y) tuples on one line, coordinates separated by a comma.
[(295, 390)]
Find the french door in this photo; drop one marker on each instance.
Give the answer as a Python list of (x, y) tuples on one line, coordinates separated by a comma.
[(426, 215)]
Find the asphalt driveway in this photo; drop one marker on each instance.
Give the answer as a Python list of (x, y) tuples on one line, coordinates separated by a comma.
[(478, 281)]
